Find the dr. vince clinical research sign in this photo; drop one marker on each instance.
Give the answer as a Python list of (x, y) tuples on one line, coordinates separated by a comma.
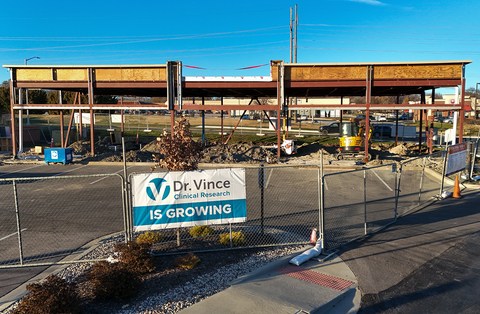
[(163, 200)]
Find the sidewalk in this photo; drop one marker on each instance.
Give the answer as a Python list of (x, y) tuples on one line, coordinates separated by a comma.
[(279, 287)]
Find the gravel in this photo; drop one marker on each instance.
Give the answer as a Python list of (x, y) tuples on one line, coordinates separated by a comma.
[(179, 297)]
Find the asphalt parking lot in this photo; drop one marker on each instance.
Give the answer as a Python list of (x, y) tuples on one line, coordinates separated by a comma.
[(60, 215)]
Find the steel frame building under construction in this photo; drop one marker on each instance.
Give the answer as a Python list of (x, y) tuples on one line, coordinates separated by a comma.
[(285, 80)]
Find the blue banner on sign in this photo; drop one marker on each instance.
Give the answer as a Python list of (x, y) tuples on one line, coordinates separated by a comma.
[(189, 214)]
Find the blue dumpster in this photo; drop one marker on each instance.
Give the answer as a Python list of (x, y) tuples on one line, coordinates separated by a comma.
[(63, 155)]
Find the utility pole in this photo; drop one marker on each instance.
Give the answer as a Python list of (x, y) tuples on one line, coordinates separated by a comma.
[(291, 36), (296, 26)]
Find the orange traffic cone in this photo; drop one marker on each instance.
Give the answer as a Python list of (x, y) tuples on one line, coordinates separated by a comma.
[(456, 188), (313, 237)]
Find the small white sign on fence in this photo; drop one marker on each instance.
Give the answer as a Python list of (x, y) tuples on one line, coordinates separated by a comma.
[(85, 118), (117, 118), (457, 158)]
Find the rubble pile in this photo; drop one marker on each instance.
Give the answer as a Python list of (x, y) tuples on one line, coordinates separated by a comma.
[(239, 152)]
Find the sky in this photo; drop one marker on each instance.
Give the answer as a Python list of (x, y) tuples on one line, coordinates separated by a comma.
[(224, 37)]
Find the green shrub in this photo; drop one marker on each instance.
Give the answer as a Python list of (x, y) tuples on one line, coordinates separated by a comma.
[(150, 238), (112, 281), (201, 231), (238, 238), (188, 261), (136, 257), (53, 296)]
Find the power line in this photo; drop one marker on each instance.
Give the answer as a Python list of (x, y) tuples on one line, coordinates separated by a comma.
[(377, 43), (441, 40), (397, 51), (148, 37), (394, 26)]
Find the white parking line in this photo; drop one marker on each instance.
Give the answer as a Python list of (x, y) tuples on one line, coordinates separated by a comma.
[(11, 235), (382, 180), (107, 177), (1, 175), (268, 179), (69, 171)]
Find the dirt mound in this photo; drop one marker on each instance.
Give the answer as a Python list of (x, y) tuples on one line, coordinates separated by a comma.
[(400, 150), (244, 152), (151, 147), (80, 147), (240, 152), (131, 156)]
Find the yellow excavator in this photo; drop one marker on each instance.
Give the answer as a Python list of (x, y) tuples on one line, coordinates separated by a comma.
[(352, 139)]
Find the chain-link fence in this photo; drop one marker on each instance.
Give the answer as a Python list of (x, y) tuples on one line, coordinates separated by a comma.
[(357, 202), (473, 159), (420, 179), (45, 219), (281, 211)]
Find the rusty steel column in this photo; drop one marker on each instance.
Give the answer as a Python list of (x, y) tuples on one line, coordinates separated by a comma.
[(90, 103), (422, 101), (221, 118), (69, 128), (367, 113), (80, 130), (203, 122), (12, 114), (278, 113), (121, 116), (430, 129), (92, 135), (462, 113), (341, 115), (61, 128), (396, 122), (236, 125)]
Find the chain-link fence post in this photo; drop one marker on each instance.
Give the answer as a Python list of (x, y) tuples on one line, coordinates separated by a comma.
[(399, 188), (421, 182), (126, 216), (125, 208), (474, 156), (444, 155), (261, 183), (17, 214), (396, 191), (321, 201), (365, 199)]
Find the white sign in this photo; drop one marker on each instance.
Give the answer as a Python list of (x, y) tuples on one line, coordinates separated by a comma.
[(85, 118), (117, 118), (449, 135), (457, 158), (163, 200), (275, 121)]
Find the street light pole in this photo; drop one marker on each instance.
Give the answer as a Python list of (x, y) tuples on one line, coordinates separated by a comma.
[(26, 92)]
